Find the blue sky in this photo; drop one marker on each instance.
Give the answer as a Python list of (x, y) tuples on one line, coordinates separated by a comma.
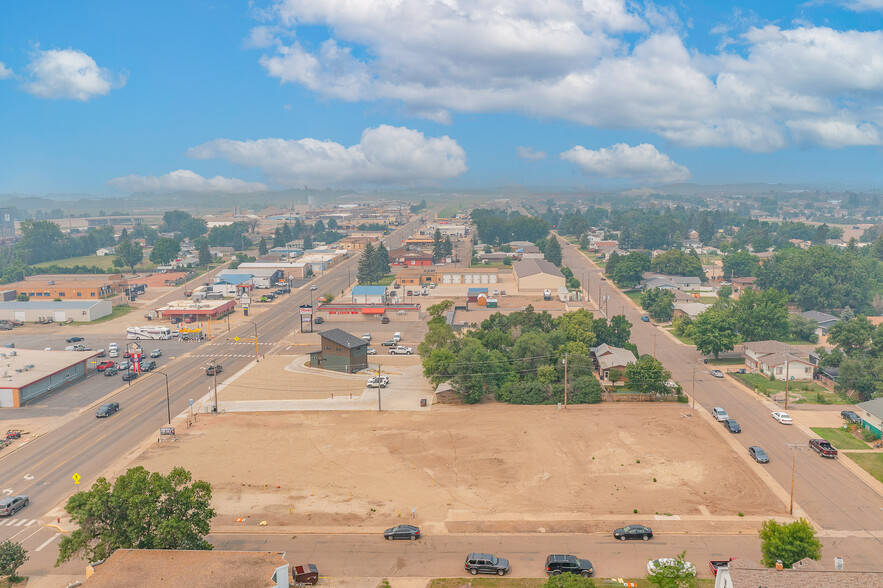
[(117, 97)]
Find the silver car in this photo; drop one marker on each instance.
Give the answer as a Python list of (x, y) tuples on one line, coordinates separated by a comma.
[(12, 504)]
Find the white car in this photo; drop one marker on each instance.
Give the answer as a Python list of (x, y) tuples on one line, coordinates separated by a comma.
[(400, 350), (655, 565), (783, 417), (376, 382), (372, 351), (366, 337)]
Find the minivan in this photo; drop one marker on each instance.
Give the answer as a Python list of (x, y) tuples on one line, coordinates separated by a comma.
[(397, 337), (719, 414)]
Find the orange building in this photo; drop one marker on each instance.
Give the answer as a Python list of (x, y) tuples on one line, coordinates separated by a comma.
[(71, 286)]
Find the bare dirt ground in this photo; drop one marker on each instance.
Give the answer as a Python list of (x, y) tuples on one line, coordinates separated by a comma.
[(457, 464)]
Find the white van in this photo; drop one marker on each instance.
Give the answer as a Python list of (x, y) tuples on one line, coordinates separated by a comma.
[(397, 337)]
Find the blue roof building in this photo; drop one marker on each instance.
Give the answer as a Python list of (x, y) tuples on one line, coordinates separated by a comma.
[(369, 295)]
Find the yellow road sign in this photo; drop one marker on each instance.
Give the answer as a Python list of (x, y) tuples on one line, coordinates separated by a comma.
[(236, 338), (76, 478)]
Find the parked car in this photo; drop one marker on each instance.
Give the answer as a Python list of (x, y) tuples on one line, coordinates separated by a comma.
[(732, 426), (148, 366), (645, 318), (366, 337), (633, 532), (719, 414), (124, 365), (400, 350), (384, 320), (111, 371), (372, 351), (305, 574), (851, 416), (389, 343), (113, 353), (823, 448), (318, 320), (74, 339), (783, 417), (717, 373), (214, 369), (102, 353), (10, 505), (559, 564), (156, 353), (758, 454), (105, 410), (104, 365), (402, 532), (129, 376), (654, 565), (485, 563)]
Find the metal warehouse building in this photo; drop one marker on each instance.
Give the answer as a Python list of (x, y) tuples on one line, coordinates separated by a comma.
[(74, 310), (26, 374)]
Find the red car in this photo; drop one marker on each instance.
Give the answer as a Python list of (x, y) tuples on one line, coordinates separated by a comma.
[(104, 365)]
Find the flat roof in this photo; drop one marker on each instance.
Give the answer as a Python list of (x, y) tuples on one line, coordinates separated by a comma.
[(369, 290), (203, 305), (196, 569), (49, 304), (16, 373)]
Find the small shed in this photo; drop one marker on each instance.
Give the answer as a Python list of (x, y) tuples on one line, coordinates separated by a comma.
[(445, 394), (472, 294)]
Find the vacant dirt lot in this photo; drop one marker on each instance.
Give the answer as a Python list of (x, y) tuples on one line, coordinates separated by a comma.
[(478, 463)]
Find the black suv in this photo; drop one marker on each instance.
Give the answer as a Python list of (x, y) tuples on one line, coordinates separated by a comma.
[(105, 410), (851, 416), (485, 563), (148, 365), (560, 564)]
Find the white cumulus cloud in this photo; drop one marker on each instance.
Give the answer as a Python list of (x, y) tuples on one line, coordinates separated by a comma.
[(862, 5), (69, 74), (5, 72), (612, 64), (641, 163), (185, 180), (384, 155), (529, 153)]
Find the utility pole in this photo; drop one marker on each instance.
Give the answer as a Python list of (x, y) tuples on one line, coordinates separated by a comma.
[(693, 387), (795, 447), (565, 380), (379, 405), (215, 378), (787, 365)]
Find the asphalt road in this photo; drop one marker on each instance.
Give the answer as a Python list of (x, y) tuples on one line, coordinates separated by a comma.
[(830, 494), (85, 445)]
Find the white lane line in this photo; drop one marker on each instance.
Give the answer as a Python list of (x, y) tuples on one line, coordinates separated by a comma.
[(48, 541), (37, 530)]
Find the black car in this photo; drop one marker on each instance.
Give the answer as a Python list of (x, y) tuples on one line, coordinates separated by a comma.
[(758, 454), (148, 365), (214, 369), (559, 564), (402, 532), (74, 339), (129, 376), (851, 416), (318, 320), (485, 563), (105, 410), (633, 532), (732, 426), (111, 371)]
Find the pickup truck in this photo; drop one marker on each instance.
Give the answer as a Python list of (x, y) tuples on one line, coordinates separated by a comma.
[(718, 564), (823, 448), (400, 350)]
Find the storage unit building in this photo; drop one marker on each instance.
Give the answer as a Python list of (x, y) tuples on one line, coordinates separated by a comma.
[(27, 374), (59, 312), (536, 275)]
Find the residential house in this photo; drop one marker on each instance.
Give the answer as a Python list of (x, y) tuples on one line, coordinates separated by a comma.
[(777, 359), (872, 415), (652, 280), (690, 309), (825, 320), (806, 573), (105, 251), (609, 358)]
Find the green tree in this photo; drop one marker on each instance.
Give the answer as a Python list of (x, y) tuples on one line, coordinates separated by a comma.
[(725, 292), (674, 574), (164, 251), (478, 372), (381, 261), (205, 254), (22, 297), (332, 224), (788, 543), (308, 243), (552, 252), (584, 242), (714, 331), (659, 303), (569, 580), (142, 510), (630, 269), (438, 247), (677, 263), (129, 254), (852, 336), (262, 247), (741, 264), (803, 328), (585, 390), (706, 229), (12, 557), (860, 375), (648, 375), (448, 246), (762, 315), (366, 273)]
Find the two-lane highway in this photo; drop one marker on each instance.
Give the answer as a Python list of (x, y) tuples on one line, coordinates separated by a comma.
[(830, 494)]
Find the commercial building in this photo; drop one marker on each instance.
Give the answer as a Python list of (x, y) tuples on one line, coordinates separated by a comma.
[(201, 310), (411, 259), (289, 270), (50, 311), (261, 277), (418, 276), (340, 352), (232, 284), (355, 243), (71, 286), (369, 294), (536, 275), (192, 568), (26, 374)]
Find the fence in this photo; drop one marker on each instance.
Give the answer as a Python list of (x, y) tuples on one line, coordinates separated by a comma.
[(637, 397)]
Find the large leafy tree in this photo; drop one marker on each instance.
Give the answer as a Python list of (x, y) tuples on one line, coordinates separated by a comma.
[(629, 270), (788, 542), (648, 375), (205, 254), (128, 254), (164, 251), (673, 574), (762, 315), (852, 336), (714, 331), (659, 303), (677, 263), (12, 557), (740, 264), (141, 510), (553, 250)]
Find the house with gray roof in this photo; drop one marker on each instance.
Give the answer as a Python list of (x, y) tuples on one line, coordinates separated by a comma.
[(653, 280), (871, 413), (608, 358), (806, 573), (824, 320), (777, 359)]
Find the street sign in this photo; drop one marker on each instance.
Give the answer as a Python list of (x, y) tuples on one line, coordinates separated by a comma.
[(167, 431), (236, 338), (76, 478)]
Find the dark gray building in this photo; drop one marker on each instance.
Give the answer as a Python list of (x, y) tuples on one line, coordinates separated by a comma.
[(340, 352)]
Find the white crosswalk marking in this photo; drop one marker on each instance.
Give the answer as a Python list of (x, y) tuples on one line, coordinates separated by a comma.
[(20, 523), (31, 522)]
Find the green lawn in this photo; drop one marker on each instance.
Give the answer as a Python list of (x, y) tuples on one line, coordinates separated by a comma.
[(707, 299), (386, 280), (765, 386), (840, 438), (871, 462), (104, 262), (684, 340), (823, 397), (449, 211), (117, 312), (726, 361), (634, 295)]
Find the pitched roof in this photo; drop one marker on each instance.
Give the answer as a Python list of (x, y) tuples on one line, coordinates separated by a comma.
[(774, 359), (691, 308), (609, 356), (761, 348), (343, 338), (819, 317), (875, 407), (530, 267), (804, 574)]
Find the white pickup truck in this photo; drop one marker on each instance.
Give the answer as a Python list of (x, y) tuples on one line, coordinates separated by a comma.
[(400, 350)]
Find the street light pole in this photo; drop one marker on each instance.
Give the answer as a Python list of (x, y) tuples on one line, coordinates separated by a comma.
[(168, 402), (256, 356)]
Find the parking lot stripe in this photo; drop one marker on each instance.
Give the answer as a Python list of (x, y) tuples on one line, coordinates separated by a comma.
[(48, 541)]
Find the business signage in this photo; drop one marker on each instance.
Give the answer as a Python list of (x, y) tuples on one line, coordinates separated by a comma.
[(167, 431), (306, 309)]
